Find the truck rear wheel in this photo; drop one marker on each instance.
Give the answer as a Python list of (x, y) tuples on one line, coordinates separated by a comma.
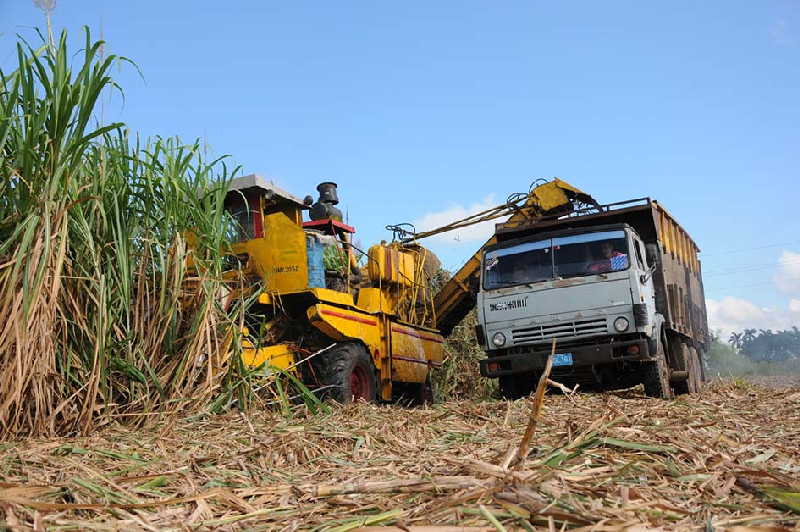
[(517, 386), (694, 373), (347, 373), (655, 373)]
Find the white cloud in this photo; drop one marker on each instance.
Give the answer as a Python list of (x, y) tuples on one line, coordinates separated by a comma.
[(787, 278), (473, 234), (735, 314)]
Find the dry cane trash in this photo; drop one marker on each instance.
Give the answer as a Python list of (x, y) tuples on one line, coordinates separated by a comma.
[(727, 458)]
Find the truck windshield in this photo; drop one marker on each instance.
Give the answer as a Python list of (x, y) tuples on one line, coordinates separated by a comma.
[(556, 258)]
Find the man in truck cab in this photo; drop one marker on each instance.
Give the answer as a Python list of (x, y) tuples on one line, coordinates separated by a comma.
[(612, 261)]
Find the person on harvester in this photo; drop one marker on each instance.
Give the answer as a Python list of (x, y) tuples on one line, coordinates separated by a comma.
[(612, 261)]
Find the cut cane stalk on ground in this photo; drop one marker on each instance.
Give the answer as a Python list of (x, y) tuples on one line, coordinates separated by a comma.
[(610, 460), (536, 406)]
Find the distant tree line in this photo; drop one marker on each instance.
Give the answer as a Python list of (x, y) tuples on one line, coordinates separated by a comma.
[(765, 345)]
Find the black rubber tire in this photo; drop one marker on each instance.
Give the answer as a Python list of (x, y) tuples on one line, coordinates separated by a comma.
[(685, 386), (702, 366), (696, 376), (694, 381), (517, 386), (335, 370), (655, 374)]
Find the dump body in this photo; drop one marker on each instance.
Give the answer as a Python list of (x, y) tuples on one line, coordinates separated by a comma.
[(611, 316)]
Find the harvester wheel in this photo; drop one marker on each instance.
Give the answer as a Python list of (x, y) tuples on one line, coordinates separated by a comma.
[(517, 386), (655, 373), (347, 373)]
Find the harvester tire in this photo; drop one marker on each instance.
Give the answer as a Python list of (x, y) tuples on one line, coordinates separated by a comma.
[(655, 373), (347, 374), (518, 386)]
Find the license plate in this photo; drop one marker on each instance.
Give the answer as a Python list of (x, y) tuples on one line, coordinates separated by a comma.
[(562, 359)]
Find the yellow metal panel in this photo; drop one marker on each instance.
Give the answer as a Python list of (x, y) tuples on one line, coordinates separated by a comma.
[(566, 186), (685, 248), (673, 237), (414, 351), (332, 296), (374, 300), (277, 356), (344, 324), (388, 264), (280, 257), (549, 195)]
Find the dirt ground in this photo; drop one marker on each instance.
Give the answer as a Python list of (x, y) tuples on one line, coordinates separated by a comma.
[(725, 459)]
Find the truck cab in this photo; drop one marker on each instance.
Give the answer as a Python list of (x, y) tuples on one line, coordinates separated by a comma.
[(589, 289)]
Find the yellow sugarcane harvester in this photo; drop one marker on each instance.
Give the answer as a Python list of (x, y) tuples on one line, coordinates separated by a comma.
[(370, 330), (367, 333)]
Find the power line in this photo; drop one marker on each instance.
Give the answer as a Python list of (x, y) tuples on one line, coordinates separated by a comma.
[(751, 267), (742, 250)]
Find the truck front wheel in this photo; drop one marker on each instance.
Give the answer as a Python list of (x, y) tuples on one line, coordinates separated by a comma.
[(347, 373), (517, 386), (655, 373)]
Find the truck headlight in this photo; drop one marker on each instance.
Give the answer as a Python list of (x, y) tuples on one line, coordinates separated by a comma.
[(499, 339), (621, 324)]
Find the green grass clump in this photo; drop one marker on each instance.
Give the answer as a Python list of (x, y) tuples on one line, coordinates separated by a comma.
[(98, 312), (459, 377)]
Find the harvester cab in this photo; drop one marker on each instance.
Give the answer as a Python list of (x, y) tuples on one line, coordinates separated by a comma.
[(365, 333)]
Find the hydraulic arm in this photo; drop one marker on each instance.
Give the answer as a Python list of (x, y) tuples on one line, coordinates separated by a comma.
[(545, 200)]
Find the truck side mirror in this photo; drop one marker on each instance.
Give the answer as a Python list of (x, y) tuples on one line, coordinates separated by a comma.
[(652, 260), (651, 250)]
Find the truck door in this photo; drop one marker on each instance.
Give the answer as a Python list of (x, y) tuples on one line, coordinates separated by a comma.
[(646, 294)]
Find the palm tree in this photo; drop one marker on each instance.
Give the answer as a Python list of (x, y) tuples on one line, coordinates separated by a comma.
[(735, 340)]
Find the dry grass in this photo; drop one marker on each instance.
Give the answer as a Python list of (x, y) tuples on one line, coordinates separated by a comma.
[(603, 461)]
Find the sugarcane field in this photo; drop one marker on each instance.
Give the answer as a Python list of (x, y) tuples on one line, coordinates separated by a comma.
[(344, 304)]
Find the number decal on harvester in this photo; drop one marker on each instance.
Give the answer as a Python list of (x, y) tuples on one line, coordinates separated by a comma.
[(286, 269)]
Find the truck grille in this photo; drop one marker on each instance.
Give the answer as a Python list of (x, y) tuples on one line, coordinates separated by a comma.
[(565, 329)]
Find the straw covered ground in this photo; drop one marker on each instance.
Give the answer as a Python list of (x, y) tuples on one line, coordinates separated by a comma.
[(725, 459)]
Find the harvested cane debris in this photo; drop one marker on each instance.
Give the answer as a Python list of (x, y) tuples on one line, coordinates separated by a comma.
[(727, 458)]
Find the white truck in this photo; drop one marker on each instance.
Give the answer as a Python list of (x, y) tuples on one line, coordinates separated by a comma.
[(617, 286)]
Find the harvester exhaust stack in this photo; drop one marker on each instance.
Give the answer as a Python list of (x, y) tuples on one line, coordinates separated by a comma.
[(325, 207)]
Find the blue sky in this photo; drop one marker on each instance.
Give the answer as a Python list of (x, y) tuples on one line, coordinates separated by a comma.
[(425, 110)]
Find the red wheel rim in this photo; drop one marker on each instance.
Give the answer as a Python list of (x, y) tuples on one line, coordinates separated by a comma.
[(359, 384)]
